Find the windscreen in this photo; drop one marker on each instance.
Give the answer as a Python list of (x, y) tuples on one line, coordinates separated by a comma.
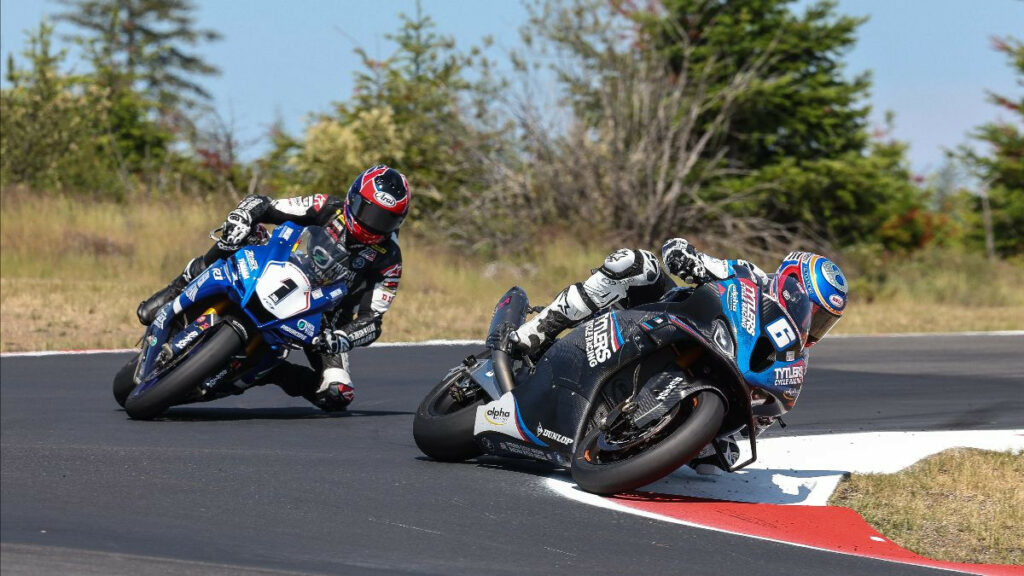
[(322, 258)]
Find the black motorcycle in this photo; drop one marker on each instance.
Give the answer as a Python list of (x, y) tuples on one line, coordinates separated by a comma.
[(625, 398)]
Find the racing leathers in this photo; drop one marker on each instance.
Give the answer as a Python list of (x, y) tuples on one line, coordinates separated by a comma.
[(372, 272), (631, 278)]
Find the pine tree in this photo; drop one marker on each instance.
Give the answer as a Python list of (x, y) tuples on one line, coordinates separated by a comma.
[(1003, 169), (146, 43)]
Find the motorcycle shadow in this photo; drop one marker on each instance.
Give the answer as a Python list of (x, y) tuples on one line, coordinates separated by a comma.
[(522, 466), (227, 414)]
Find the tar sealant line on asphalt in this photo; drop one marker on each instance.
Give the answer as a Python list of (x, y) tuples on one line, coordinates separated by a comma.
[(781, 497)]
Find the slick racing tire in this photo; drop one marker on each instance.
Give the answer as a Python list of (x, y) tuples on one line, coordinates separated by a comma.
[(124, 381), (443, 428), (694, 423), (209, 356)]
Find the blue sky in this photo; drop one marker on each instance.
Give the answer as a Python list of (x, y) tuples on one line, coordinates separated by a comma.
[(931, 59)]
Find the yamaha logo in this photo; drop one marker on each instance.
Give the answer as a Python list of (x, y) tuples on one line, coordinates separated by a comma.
[(385, 198)]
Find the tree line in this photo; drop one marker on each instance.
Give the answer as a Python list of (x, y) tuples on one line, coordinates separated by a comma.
[(729, 120)]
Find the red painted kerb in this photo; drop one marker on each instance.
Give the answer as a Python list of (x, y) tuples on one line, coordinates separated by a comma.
[(829, 528)]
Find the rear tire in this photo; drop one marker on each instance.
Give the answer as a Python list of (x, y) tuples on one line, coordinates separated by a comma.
[(183, 379), (124, 381), (443, 429), (702, 416)]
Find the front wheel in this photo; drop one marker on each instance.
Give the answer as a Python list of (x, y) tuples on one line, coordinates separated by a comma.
[(443, 427), (616, 460), (173, 388), (124, 381)]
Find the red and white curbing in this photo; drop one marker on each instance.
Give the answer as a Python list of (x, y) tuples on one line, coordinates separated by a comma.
[(782, 496)]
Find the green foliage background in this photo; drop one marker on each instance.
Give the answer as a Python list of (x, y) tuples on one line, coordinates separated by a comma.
[(795, 152)]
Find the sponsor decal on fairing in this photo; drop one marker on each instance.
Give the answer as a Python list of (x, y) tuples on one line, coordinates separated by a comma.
[(307, 327), (790, 375), (543, 432), (602, 339), (748, 314), (289, 330), (250, 258), (731, 299), (502, 416), (217, 274), (181, 344)]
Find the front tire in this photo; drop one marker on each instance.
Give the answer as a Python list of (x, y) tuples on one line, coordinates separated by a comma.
[(443, 427), (695, 421), (124, 381), (183, 379)]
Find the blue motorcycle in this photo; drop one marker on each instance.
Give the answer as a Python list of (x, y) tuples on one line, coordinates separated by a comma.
[(235, 321)]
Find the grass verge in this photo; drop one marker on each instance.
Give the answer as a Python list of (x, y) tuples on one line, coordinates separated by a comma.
[(961, 505), (72, 272)]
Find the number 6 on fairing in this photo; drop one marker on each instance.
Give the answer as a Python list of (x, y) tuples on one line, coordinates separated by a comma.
[(781, 333)]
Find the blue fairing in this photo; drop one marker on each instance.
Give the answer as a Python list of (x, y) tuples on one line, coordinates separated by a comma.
[(236, 279), (750, 317)]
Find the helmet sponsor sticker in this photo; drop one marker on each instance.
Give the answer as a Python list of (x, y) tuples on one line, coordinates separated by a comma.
[(836, 300), (385, 199), (833, 276)]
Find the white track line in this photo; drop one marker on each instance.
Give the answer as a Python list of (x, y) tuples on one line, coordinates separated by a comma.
[(480, 342)]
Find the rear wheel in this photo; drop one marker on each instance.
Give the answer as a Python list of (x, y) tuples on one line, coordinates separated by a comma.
[(212, 354), (124, 381), (619, 457), (443, 427)]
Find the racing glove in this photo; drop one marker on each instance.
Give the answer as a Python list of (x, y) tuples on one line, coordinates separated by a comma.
[(333, 342), (236, 229), (692, 265)]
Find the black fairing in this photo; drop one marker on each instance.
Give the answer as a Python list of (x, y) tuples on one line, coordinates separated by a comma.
[(558, 393)]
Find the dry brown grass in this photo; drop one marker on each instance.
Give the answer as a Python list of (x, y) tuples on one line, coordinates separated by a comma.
[(962, 505), (73, 271)]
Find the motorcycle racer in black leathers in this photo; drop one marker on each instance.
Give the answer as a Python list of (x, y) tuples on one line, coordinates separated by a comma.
[(634, 277), (365, 225)]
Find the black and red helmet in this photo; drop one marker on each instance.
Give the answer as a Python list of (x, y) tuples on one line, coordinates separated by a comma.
[(377, 204)]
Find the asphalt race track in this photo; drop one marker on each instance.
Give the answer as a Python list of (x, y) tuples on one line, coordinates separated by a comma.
[(263, 481)]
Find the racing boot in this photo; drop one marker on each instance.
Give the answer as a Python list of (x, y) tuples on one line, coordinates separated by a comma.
[(150, 307), (336, 391), (607, 285), (570, 306)]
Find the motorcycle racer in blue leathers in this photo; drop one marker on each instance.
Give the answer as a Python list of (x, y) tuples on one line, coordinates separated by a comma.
[(364, 225)]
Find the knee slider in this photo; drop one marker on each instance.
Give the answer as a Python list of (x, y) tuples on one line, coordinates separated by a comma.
[(622, 264)]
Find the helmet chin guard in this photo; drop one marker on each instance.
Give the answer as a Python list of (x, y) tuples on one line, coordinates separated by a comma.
[(826, 289)]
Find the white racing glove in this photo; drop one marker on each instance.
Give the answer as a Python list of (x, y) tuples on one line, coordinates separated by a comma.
[(333, 342), (237, 227), (692, 265)]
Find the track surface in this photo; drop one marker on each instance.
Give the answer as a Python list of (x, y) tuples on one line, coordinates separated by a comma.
[(263, 480)]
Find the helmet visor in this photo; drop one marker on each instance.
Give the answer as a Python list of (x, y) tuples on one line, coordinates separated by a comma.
[(821, 322), (374, 218)]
